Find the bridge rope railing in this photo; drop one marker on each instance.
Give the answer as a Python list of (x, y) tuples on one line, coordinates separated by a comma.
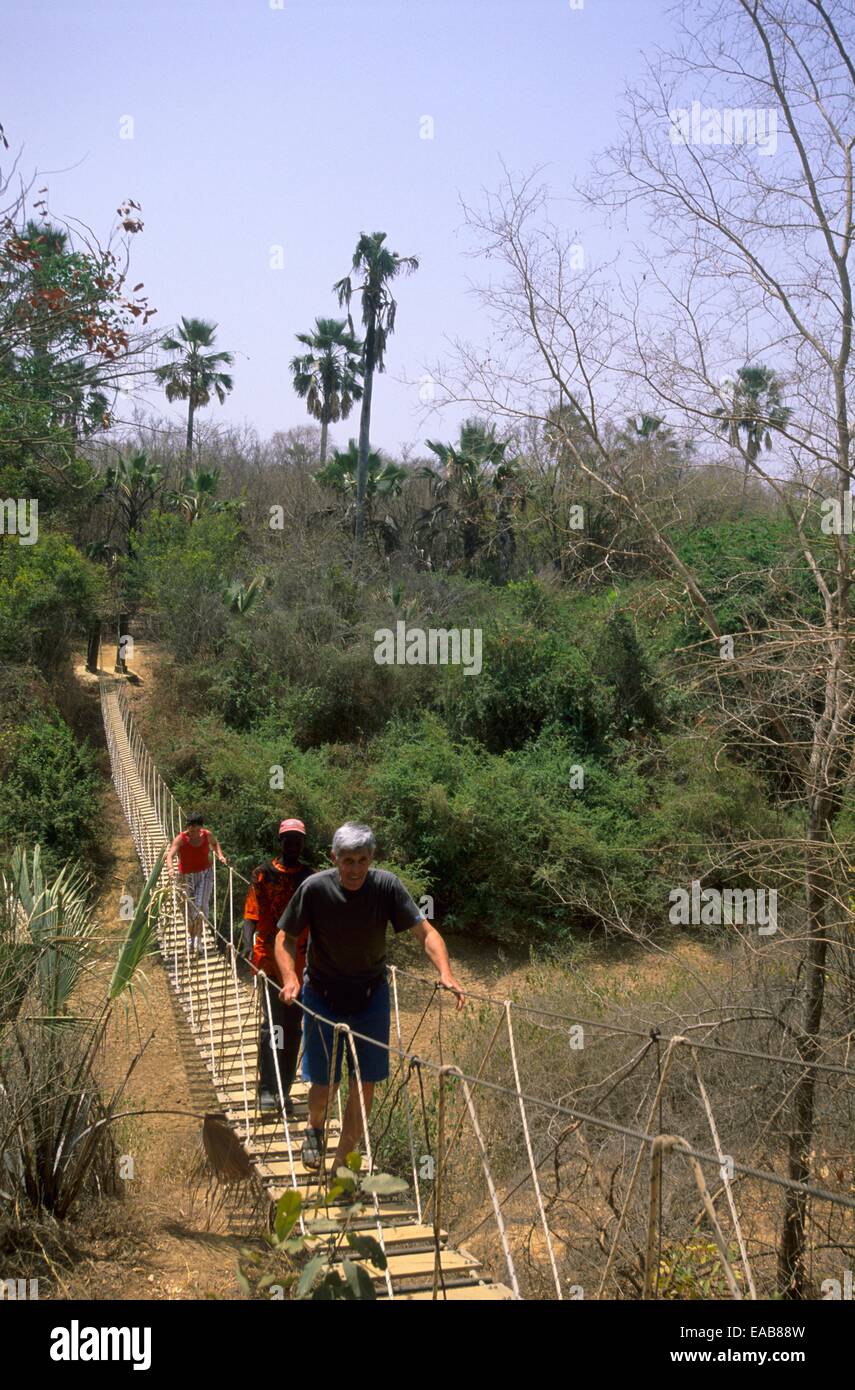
[(226, 1053), (576, 1020)]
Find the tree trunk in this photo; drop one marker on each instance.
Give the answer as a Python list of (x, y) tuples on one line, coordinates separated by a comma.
[(93, 646), (124, 623), (364, 440), (791, 1257), (507, 548), (190, 412), (751, 451), (324, 431), (471, 545)]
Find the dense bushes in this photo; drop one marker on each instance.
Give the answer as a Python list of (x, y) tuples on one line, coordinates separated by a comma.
[(566, 787), (529, 679), (49, 594), (228, 775), (513, 845), (183, 571), (509, 846), (751, 570), (50, 790)]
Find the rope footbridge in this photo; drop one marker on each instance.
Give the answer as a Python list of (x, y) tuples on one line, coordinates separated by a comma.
[(222, 1012)]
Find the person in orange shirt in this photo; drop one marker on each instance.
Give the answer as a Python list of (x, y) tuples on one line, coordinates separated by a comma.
[(194, 847), (272, 885)]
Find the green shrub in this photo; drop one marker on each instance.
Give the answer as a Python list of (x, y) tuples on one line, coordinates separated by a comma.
[(715, 820), (751, 570), (343, 694), (508, 846), (49, 594), (242, 683), (625, 670), (226, 775), (182, 570), (51, 790), (530, 678)]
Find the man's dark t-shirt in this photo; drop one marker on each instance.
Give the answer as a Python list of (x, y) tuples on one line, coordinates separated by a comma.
[(347, 930)]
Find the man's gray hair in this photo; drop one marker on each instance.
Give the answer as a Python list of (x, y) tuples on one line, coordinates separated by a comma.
[(352, 836)]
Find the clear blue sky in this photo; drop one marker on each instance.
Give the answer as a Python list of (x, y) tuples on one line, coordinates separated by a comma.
[(296, 123)]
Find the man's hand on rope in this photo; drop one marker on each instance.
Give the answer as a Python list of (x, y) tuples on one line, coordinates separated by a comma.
[(290, 989), (449, 982)]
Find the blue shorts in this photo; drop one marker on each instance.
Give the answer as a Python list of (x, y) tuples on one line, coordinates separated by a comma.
[(373, 1022)]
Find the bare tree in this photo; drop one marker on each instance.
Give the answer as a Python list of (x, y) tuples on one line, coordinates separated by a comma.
[(738, 148)]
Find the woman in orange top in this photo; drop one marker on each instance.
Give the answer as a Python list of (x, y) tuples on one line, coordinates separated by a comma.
[(193, 847)]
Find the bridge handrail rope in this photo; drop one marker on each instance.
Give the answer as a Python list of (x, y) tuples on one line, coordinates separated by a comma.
[(168, 814), (450, 1070), (281, 1094), (662, 1145), (618, 1028), (725, 1176), (343, 1028)]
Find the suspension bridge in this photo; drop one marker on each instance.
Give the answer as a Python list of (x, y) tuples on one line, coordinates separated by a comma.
[(222, 1009)]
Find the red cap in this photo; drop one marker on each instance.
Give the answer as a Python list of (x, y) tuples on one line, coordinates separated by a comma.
[(292, 825)]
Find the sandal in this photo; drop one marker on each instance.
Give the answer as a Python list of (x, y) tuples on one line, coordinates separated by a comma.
[(313, 1145)]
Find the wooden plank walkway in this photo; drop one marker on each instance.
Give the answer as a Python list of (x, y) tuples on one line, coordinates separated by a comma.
[(221, 1012)]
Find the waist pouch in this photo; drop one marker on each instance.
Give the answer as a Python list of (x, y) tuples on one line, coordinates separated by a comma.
[(345, 996)]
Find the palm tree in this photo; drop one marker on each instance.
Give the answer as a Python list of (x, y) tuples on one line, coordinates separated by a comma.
[(47, 296), (378, 267), (385, 480), (326, 376), (196, 374), (755, 411), (197, 493), (134, 483), (81, 408), (51, 241), (475, 478)]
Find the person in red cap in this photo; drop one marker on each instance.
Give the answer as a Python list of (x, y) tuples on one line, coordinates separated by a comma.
[(272, 885)]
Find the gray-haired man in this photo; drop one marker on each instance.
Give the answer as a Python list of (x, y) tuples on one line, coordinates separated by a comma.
[(347, 910)]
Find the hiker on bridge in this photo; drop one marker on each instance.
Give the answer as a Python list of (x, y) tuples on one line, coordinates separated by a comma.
[(194, 847), (346, 910), (272, 886)]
